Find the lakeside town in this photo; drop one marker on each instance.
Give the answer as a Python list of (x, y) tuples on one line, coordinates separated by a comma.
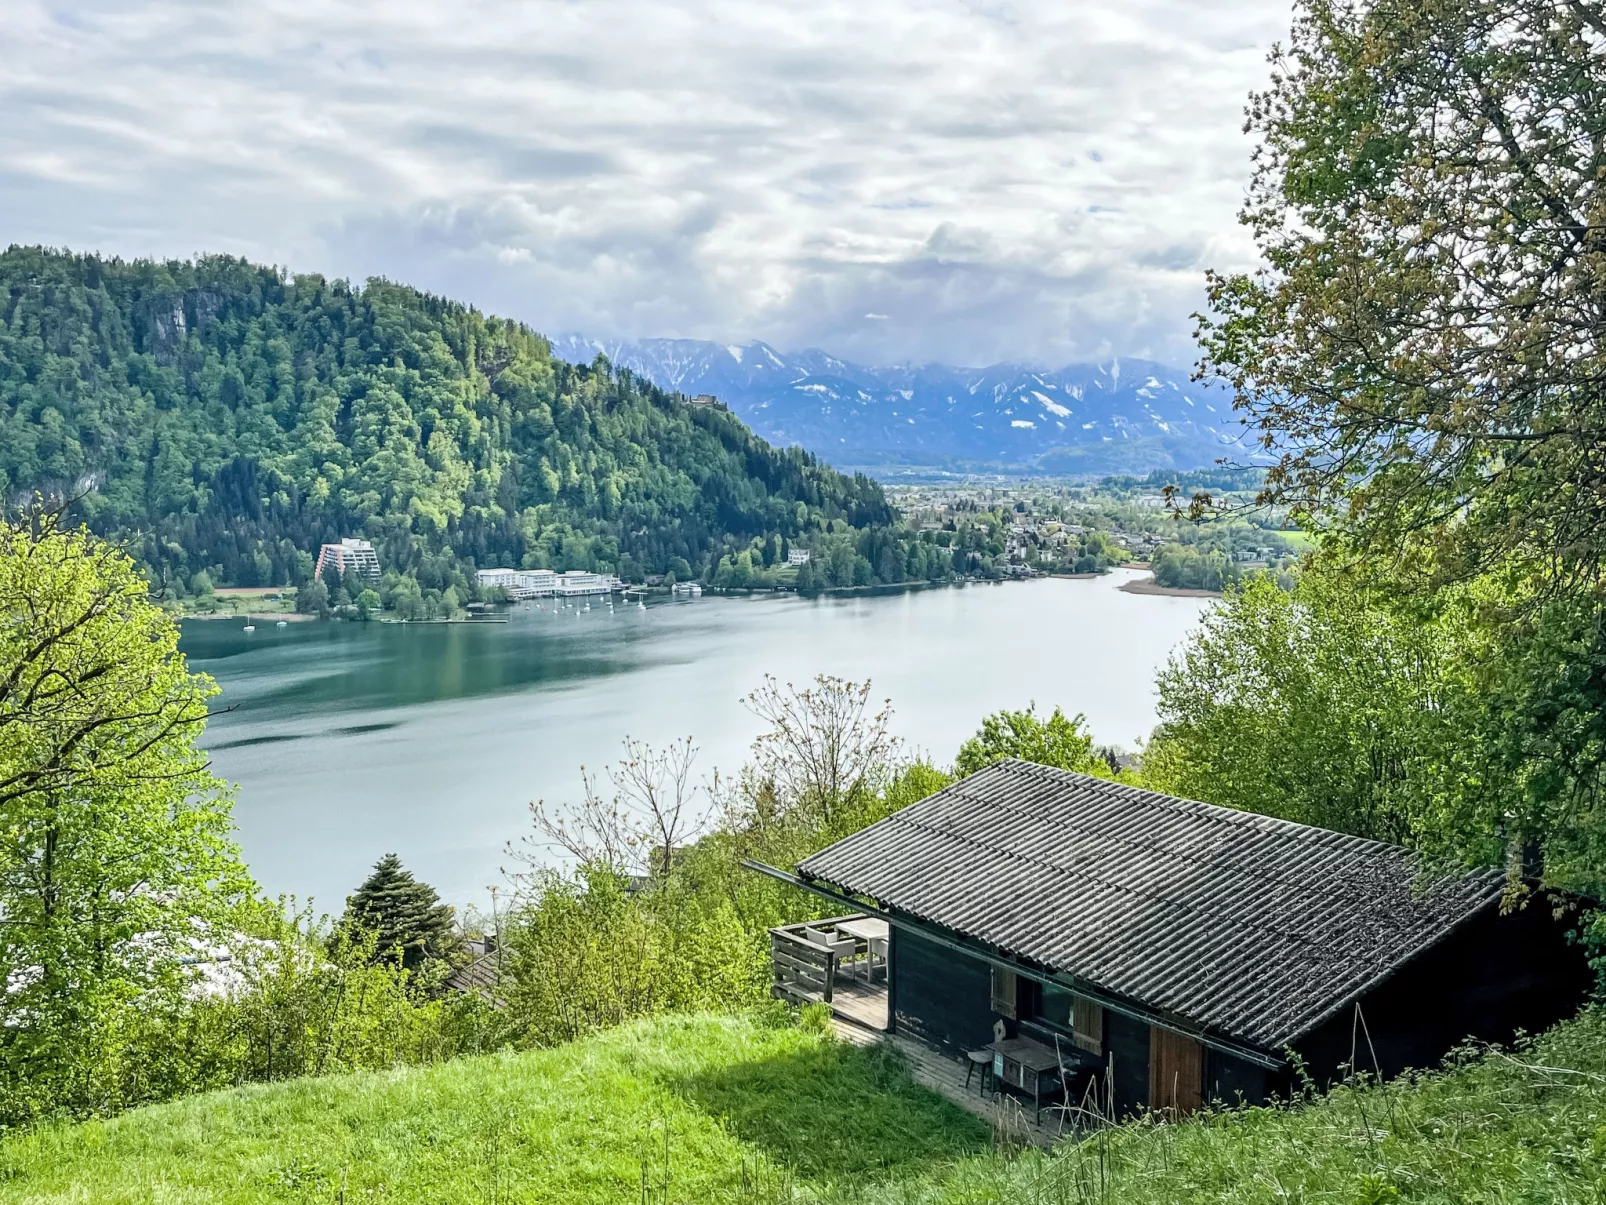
[(1005, 530)]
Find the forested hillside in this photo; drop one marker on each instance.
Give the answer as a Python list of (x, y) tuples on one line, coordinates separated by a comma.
[(227, 418)]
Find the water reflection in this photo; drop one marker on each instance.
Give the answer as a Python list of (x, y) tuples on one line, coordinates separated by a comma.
[(352, 740)]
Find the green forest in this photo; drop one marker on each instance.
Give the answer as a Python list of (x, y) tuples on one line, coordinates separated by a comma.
[(226, 419)]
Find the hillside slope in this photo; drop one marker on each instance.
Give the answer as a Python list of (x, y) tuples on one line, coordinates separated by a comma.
[(229, 418), (577, 1125), (1123, 416), (811, 1120)]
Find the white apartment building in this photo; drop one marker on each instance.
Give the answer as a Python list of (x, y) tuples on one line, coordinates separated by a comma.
[(349, 556), (577, 582), (546, 583), (798, 556)]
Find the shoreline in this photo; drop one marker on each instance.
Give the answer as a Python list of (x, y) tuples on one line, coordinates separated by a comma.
[(264, 616), (1146, 585)]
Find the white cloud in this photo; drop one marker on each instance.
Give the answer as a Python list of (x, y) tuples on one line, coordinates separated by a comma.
[(1006, 180)]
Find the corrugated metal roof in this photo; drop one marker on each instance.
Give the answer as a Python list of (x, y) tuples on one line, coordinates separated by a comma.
[(483, 975), (1247, 926)]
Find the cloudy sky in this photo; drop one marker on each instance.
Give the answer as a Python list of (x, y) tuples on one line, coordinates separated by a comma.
[(956, 180)]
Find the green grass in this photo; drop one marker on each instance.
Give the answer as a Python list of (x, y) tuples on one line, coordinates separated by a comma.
[(1525, 1127), (576, 1124), (812, 1120)]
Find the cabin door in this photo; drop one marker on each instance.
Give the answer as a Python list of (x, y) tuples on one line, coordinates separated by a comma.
[(1176, 1072)]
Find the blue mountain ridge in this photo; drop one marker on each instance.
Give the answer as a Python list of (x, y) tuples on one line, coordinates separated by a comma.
[(1121, 416)]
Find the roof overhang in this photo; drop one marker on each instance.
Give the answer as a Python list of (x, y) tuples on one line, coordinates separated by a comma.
[(959, 943)]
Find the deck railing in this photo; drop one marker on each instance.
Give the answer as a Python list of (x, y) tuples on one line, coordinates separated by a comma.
[(805, 958)]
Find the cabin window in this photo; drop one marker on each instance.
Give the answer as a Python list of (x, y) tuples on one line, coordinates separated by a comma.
[(1064, 1011), (1055, 1006), (1004, 993)]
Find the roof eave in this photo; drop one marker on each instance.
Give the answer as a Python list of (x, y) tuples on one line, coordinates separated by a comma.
[(934, 931)]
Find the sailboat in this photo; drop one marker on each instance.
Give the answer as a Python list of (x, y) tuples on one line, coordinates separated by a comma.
[(249, 626)]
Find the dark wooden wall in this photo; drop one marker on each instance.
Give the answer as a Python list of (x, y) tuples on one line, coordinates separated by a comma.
[(938, 995), (1128, 1041), (1234, 1081), (1492, 976)]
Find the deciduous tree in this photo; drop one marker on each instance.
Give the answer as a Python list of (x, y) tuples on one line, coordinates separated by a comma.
[(116, 857), (1425, 348)]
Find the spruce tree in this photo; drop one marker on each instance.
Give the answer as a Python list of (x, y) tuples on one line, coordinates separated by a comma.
[(402, 913)]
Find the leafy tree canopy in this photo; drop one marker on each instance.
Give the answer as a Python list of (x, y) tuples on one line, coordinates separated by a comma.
[(116, 861), (1424, 347), (1060, 740)]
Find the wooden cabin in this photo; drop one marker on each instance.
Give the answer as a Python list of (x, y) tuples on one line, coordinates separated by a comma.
[(1185, 951)]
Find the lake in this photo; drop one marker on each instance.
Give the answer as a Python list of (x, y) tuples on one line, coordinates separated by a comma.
[(352, 740)]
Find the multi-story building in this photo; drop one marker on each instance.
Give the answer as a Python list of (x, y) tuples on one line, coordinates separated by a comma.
[(578, 582), (798, 556), (350, 556), (545, 583)]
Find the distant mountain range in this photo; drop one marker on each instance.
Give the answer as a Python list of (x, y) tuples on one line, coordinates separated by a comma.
[(1123, 416)]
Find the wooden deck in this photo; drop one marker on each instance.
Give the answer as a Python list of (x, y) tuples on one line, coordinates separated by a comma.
[(859, 1017), (860, 1004)]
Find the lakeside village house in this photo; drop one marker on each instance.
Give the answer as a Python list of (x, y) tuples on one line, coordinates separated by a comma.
[(1081, 940)]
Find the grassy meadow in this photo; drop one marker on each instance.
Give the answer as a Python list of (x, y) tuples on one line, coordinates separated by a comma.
[(687, 1110), (729, 1100)]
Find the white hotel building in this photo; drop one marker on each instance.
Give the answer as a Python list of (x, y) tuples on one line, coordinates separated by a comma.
[(544, 583)]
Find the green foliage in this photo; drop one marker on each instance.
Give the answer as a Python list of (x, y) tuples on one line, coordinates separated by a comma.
[(1326, 704), (406, 918), (1060, 740), (290, 998), (1424, 346), (1182, 567), (116, 861), (694, 1106), (233, 418), (1473, 728), (598, 945), (815, 1018)]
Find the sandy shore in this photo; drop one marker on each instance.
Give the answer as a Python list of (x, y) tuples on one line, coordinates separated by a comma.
[(1145, 585)]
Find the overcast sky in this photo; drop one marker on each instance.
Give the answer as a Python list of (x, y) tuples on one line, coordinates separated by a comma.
[(886, 179)]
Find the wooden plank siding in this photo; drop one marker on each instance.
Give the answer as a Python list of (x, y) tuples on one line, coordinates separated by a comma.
[(1176, 1072), (1126, 1054), (937, 996)]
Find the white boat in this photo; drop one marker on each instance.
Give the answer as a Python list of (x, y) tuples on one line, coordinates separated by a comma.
[(250, 627), (283, 623), (641, 606)]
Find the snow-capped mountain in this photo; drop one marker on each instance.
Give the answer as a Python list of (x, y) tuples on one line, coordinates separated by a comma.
[(1126, 415)]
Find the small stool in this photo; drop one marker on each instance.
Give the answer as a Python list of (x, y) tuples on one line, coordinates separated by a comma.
[(975, 1059)]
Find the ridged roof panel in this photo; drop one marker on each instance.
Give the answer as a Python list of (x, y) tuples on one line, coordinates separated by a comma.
[(1248, 926)]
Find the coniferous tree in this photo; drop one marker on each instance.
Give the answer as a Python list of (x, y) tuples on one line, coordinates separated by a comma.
[(403, 914)]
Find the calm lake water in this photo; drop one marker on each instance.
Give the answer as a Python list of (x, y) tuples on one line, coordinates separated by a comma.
[(352, 740)]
